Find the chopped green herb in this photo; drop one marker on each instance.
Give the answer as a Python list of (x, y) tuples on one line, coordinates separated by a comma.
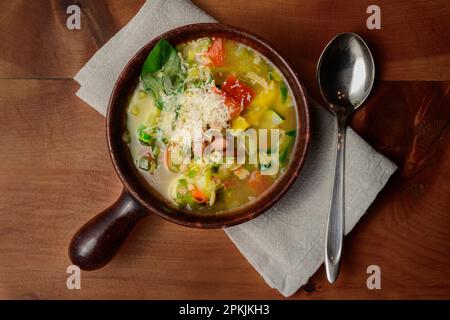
[(144, 137), (291, 133), (159, 103), (286, 146), (177, 111), (192, 173), (155, 151), (284, 92)]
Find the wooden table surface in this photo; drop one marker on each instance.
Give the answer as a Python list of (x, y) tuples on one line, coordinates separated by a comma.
[(55, 172)]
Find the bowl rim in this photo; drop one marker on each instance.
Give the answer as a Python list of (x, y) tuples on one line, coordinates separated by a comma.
[(242, 213)]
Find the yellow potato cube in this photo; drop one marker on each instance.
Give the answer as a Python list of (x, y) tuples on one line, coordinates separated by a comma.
[(239, 123)]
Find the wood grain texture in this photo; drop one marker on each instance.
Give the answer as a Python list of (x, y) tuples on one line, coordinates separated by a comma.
[(37, 44), (56, 173), (412, 43)]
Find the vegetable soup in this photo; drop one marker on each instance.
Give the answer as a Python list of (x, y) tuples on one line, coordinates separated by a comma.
[(194, 97)]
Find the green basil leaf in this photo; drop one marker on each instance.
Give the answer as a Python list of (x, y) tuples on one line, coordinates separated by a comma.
[(150, 83), (153, 85), (161, 71), (172, 65), (157, 57), (167, 83)]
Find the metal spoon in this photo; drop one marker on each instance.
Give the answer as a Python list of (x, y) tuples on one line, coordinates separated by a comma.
[(345, 73)]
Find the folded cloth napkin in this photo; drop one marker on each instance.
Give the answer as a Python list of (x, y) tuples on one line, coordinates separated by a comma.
[(286, 244)]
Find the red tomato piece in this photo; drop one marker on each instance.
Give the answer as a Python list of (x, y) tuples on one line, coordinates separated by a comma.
[(238, 91), (234, 108), (215, 52)]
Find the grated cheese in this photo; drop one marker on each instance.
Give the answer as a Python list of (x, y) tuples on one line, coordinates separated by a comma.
[(191, 112)]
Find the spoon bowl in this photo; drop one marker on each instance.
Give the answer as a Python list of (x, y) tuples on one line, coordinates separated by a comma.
[(345, 73)]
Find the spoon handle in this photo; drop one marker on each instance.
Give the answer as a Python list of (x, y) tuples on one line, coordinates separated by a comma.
[(335, 227)]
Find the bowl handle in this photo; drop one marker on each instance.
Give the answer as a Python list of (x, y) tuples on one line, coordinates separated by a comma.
[(97, 241)]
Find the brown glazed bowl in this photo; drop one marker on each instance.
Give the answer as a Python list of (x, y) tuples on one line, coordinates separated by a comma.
[(95, 244)]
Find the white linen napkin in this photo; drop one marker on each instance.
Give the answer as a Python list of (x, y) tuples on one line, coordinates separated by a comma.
[(286, 244)]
